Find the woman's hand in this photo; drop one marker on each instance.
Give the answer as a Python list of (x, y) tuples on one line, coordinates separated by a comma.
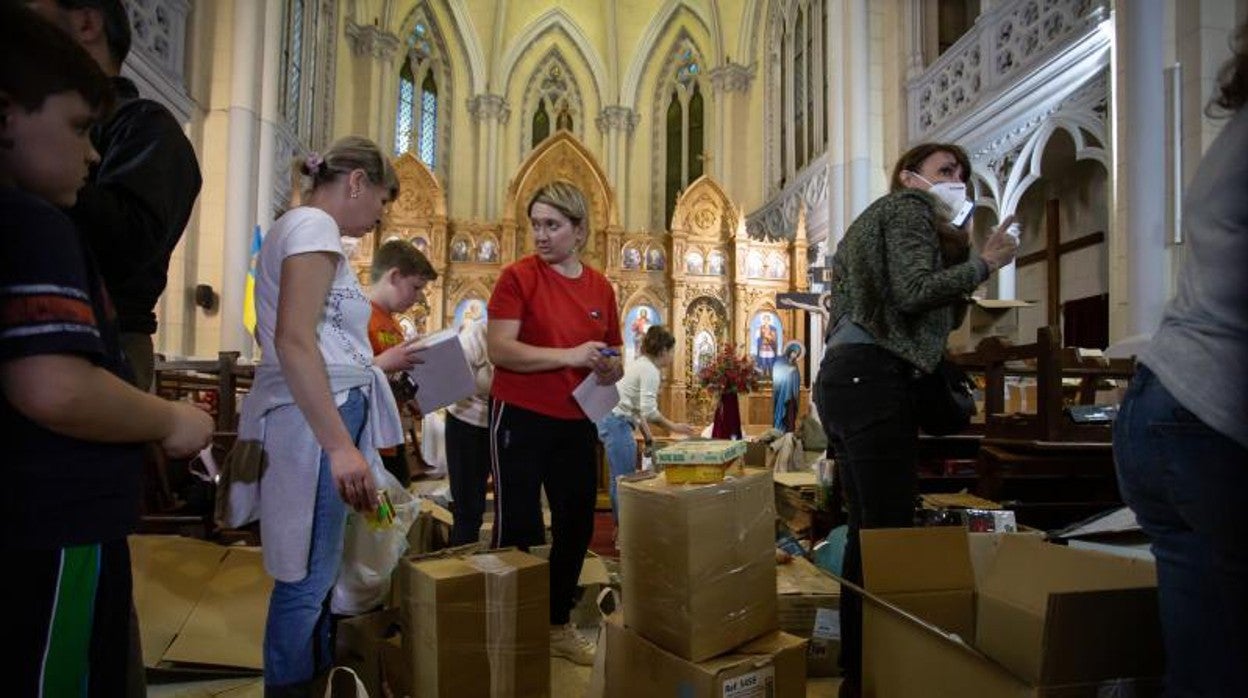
[(682, 428), (1000, 247), (608, 369), (353, 478), (400, 357), (587, 355)]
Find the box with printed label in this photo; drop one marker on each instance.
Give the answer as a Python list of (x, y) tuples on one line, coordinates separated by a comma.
[(772, 666)]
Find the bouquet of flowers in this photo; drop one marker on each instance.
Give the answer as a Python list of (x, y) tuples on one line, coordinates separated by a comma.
[(728, 372)]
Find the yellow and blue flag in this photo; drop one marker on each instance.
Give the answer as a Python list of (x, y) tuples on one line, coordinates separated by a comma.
[(249, 291)]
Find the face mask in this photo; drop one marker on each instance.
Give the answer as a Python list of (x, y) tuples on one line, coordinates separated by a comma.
[(953, 195)]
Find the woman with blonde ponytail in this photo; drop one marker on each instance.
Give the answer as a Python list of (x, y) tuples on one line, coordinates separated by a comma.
[(320, 402)]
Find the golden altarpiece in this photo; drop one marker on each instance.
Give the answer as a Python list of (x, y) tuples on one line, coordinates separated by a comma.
[(705, 278)]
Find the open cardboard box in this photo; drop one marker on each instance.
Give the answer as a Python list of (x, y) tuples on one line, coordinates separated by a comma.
[(1005, 615)]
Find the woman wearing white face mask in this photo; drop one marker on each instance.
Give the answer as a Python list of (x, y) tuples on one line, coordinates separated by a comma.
[(900, 282)]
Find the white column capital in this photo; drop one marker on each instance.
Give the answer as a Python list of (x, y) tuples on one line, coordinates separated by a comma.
[(732, 77), (617, 118), (489, 107), (368, 40)]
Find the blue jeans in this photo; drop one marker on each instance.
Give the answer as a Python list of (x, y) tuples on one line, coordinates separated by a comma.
[(1188, 487), (616, 434), (297, 635)]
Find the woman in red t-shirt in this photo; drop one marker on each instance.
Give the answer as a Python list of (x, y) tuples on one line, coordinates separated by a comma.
[(552, 321)]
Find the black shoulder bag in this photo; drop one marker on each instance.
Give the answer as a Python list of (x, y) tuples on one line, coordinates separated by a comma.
[(944, 400)]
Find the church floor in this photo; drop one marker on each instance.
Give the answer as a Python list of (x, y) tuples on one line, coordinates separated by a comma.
[(567, 680)]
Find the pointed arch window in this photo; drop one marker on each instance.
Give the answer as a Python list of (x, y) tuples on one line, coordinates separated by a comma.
[(683, 126), (416, 120), (554, 100)]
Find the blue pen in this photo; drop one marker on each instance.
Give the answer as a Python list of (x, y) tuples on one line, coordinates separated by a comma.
[(608, 351)]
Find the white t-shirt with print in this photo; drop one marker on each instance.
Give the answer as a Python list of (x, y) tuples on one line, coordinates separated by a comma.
[(343, 329)]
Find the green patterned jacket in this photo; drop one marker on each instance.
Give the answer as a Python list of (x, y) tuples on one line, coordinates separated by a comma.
[(887, 275)]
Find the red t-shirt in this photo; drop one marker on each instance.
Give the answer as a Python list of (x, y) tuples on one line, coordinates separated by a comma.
[(554, 311)]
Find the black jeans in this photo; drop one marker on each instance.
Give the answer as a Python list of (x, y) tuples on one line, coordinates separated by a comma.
[(866, 402), (468, 466), (530, 451)]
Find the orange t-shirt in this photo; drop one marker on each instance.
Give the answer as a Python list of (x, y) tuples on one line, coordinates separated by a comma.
[(384, 332)]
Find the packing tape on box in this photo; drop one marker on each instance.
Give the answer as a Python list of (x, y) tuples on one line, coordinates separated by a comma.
[(501, 605)]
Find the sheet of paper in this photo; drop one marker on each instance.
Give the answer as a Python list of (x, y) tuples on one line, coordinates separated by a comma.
[(445, 377), (596, 400)]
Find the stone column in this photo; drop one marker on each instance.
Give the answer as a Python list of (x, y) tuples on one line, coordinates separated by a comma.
[(490, 111), (617, 124), (374, 50), (731, 83), (242, 145), (1138, 263)]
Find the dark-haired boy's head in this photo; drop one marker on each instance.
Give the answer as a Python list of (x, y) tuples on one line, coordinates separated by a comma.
[(101, 26), (50, 92), (400, 273)]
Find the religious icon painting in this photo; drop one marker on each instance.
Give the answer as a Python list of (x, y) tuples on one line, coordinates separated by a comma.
[(655, 259), (754, 264), (715, 263), (420, 243), (460, 250), (693, 262), (487, 252), (766, 336), (637, 320), (775, 267), (631, 259), (469, 310)]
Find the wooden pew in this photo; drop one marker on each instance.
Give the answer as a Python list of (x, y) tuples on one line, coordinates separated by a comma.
[(1050, 470)]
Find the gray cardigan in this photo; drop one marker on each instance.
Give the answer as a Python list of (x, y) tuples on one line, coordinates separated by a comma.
[(1199, 351)]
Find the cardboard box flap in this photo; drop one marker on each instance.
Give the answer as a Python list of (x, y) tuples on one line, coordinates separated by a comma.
[(1054, 615), (1001, 303), (227, 626), (1099, 635), (170, 574), (800, 576), (916, 559), (1026, 570)]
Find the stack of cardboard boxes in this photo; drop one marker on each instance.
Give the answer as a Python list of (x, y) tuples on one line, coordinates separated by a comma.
[(699, 573)]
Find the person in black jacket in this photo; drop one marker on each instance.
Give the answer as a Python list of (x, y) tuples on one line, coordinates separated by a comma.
[(137, 201)]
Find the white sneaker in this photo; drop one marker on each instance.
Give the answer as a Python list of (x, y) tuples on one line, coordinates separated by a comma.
[(567, 642)]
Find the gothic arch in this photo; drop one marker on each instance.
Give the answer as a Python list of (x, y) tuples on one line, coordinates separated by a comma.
[(533, 92), (553, 20), (646, 296), (1027, 168), (705, 210), (421, 195), (563, 157), (664, 19)]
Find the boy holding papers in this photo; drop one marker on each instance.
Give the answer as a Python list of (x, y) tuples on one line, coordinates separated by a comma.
[(399, 275)]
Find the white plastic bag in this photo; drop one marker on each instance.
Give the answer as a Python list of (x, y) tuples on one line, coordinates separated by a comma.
[(370, 554)]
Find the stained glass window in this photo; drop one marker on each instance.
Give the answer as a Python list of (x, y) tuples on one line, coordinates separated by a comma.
[(428, 120), (403, 121), (674, 149)]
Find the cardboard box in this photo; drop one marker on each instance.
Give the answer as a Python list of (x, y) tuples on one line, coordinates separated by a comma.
[(770, 666), (1036, 620), (359, 644), (477, 621), (808, 606), (699, 562), (594, 577)]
